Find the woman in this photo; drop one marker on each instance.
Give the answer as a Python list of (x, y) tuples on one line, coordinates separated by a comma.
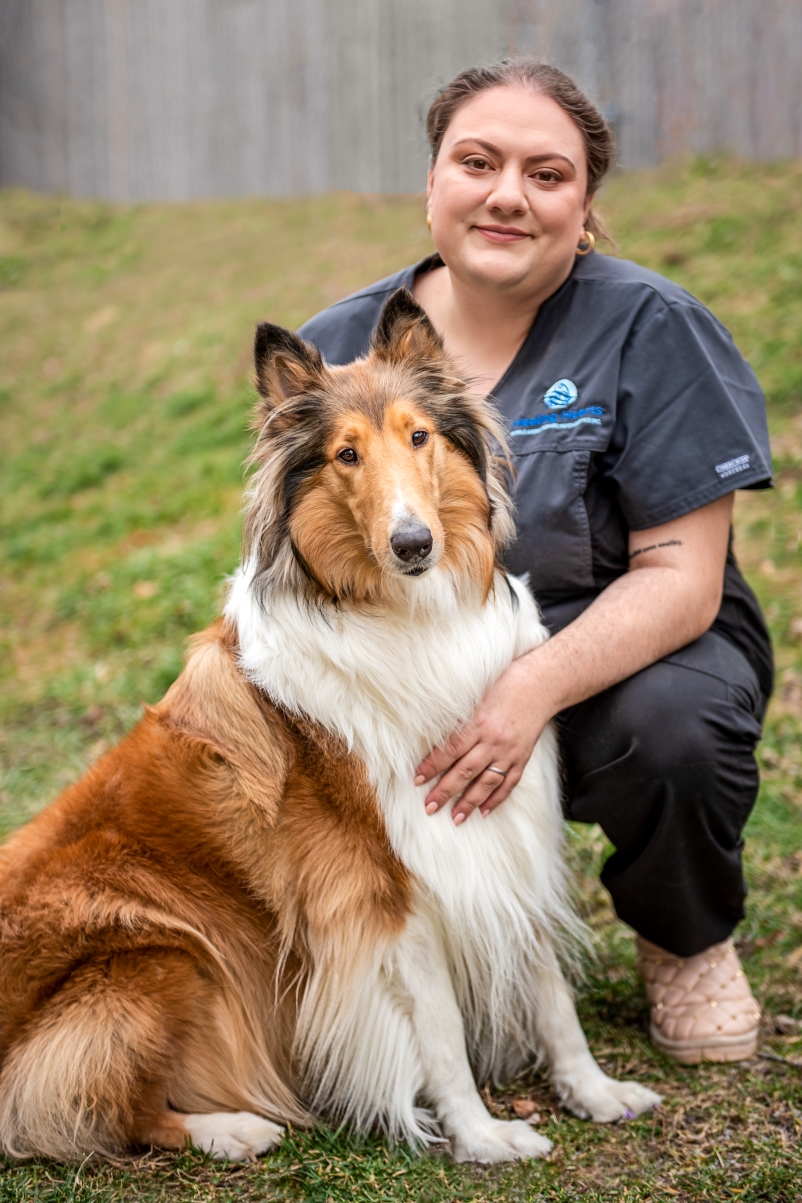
[(632, 418)]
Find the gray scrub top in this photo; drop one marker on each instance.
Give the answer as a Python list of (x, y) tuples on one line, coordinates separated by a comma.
[(627, 405)]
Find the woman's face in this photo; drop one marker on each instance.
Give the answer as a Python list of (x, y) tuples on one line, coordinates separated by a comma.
[(507, 193)]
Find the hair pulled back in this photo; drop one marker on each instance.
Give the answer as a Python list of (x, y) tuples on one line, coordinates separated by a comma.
[(525, 72)]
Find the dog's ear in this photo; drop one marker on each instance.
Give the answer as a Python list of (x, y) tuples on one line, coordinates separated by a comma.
[(405, 332), (285, 364)]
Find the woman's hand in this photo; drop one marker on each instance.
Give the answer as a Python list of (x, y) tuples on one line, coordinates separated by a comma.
[(503, 731), (669, 597)]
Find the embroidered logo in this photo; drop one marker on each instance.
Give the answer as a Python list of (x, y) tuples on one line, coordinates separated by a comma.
[(731, 467), (591, 415), (561, 395)]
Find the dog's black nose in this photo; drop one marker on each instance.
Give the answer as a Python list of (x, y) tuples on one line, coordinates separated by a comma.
[(412, 543)]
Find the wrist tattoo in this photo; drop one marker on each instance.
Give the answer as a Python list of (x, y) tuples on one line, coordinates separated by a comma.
[(654, 546)]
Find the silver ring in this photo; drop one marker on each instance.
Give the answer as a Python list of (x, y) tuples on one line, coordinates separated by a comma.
[(492, 769)]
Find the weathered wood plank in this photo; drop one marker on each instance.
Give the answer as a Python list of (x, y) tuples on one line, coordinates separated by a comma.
[(175, 99)]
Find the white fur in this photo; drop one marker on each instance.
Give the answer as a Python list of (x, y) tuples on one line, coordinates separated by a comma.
[(490, 905), (235, 1136)]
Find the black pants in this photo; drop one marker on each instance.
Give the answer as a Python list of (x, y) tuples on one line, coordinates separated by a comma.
[(664, 763)]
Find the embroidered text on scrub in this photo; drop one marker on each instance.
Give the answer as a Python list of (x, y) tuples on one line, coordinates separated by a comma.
[(733, 466), (565, 419)]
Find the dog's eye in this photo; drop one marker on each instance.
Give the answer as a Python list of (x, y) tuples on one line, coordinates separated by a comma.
[(348, 456), (420, 437)]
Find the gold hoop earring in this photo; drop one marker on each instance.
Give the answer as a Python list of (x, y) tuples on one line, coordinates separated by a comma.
[(584, 247), (429, 221)]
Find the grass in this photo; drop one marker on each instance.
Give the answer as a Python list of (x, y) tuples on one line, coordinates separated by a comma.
[(124, 398)]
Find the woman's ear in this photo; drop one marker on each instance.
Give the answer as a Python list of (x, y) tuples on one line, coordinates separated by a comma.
[(285, 364), (429, 186), (405, 332)]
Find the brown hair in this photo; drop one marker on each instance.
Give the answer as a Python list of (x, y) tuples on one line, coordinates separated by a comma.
[(539, 77)]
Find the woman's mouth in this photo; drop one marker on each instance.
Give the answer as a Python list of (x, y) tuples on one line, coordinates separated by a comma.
[(502, 233)]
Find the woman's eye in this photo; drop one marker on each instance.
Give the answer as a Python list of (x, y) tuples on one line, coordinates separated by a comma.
[(348, 456), (420, 437), (547, 177), (479, 164)]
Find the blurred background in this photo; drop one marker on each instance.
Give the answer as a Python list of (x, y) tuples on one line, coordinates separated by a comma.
[(174, 171), (180, 99)]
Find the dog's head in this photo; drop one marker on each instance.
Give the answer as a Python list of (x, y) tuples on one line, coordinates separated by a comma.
[(374, 475)]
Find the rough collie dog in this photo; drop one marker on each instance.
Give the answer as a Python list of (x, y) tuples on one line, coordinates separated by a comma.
[(242, 915)]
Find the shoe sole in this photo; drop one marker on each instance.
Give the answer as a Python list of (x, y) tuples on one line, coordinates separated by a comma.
[(691, 1052)]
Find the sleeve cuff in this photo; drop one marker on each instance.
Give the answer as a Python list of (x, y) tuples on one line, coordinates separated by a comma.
[(758, 478)]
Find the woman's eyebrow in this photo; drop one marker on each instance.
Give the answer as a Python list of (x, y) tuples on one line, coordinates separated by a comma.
[(546, 158), (494, 150)]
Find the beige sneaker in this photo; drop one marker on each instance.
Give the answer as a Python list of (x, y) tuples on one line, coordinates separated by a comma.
[(702, 1006)]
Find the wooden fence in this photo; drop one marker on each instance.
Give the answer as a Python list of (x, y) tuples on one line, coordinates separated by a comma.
[(176, 99)]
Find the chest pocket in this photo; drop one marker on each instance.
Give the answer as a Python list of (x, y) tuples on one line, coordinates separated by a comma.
[(553, 543)]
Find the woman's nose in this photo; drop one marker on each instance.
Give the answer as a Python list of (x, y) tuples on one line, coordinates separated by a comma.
[(508, 194)]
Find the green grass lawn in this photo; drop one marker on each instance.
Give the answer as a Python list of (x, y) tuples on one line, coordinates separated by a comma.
[(124, 396)]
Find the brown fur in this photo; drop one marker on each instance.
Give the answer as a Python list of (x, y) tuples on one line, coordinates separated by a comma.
[(144, 914), (158, 920)]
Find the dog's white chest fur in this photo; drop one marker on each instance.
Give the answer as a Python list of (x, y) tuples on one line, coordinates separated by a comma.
[(388, 681), (393, 685)]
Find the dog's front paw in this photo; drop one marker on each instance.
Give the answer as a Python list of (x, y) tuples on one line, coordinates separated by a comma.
[(232, 1135), (604, 1100), (499, 1140)]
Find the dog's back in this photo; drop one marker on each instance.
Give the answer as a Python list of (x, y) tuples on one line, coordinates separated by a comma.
[(130, 940)]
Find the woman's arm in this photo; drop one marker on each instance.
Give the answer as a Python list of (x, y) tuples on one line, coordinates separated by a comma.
[(669, 597)]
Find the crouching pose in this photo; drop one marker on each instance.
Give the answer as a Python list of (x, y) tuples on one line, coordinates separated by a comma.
[(243, 914), (633, 418)]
